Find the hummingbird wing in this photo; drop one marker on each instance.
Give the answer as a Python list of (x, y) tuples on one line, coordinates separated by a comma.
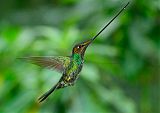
[(51, 62)]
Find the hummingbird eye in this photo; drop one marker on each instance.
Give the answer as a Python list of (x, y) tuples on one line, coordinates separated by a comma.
[(79, 46)]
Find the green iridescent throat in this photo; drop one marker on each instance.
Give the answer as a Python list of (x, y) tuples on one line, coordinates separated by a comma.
[(77, 58)]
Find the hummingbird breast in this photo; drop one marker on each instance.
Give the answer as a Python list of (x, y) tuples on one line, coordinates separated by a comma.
[(72, 71)]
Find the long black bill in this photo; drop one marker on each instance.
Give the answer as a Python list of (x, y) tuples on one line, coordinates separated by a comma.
[(86, 43), (109, 22)]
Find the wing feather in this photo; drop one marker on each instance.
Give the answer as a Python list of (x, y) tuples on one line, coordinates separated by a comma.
[(51, 62)]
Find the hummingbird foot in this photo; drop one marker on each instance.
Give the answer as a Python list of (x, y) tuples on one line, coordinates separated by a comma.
[(71, 84)]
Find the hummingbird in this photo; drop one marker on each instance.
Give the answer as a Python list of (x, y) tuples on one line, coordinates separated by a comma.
[(69, 66)]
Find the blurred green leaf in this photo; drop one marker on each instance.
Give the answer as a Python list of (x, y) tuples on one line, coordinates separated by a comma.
[(121, 68)]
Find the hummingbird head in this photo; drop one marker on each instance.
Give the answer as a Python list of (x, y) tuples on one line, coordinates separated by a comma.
[(81, 47)]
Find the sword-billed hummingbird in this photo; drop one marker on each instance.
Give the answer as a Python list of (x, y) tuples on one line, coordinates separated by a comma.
[(69, 66)]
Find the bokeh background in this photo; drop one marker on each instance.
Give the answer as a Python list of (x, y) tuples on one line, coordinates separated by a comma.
[(121, 70)]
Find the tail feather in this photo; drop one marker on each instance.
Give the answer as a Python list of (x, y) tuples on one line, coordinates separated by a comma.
[(45, 95)]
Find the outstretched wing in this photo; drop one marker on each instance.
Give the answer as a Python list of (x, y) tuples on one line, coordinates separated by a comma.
[(51, 62)]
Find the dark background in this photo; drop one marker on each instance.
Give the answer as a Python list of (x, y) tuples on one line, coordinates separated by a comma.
[(121, 70)]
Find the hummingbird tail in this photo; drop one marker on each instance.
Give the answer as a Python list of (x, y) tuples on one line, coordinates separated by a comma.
[(45, 95)]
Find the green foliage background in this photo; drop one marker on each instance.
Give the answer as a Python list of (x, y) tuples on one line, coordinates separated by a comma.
[(121, 71)]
